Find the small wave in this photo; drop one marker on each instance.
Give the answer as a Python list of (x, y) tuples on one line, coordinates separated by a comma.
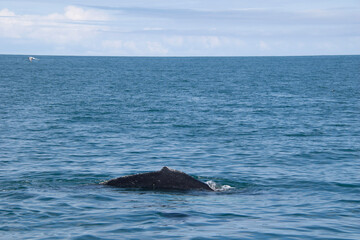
[(173, 215), (218, 187)]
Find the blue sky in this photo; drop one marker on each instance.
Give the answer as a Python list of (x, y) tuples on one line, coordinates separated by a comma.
[(180, 28)]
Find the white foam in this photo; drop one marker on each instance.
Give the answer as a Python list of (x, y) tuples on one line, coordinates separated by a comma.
[(217, 187)]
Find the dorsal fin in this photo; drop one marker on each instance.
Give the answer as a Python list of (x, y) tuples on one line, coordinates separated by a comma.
[(165, 169), (166, 178)]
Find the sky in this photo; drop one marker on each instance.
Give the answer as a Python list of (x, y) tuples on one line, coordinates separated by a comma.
[(180, 28)]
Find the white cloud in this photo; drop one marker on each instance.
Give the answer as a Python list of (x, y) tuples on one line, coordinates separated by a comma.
[(149, 30), (203, 42), (199, 41), (119, 47), (157, 48), (176, 41), (130, 45), (152, 29), (12, 26), (210, 41), (6, 13), (264, 46), (56, 28), (172, 45), (112, 44), (79, 14)]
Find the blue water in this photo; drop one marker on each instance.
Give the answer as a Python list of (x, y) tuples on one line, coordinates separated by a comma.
[(283, 132)]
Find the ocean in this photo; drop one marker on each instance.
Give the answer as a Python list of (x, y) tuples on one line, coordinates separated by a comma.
[(278, 136)]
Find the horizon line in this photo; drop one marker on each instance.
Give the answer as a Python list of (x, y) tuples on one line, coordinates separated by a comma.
[(174, 56)]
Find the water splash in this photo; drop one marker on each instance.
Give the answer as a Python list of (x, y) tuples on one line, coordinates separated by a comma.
[(218, 187), (32, 58)]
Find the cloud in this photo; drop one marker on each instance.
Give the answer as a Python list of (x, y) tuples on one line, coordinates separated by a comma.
[(116, 46), (157, 48), (153, 29), (263, 45), (239, 28), (111, 47), (12, 26), (79, 14), (133, 47), (210, 41), (6, 13), (175, 41), (201, 41), (253, 15), (57, 28)]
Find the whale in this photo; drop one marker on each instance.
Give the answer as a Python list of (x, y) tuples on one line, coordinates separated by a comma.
[(165, 179)]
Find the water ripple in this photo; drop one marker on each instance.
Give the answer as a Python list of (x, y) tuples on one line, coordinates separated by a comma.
[(279, 136)]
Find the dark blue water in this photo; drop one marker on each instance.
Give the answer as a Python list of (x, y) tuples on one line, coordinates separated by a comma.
[(283, 132)]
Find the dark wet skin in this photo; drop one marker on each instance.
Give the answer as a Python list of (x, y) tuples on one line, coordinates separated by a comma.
[(165, 179)]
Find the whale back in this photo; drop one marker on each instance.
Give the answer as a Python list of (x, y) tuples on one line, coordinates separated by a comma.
[(166, 179)]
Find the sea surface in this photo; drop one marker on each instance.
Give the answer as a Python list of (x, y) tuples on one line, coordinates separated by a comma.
[(278, 136)]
